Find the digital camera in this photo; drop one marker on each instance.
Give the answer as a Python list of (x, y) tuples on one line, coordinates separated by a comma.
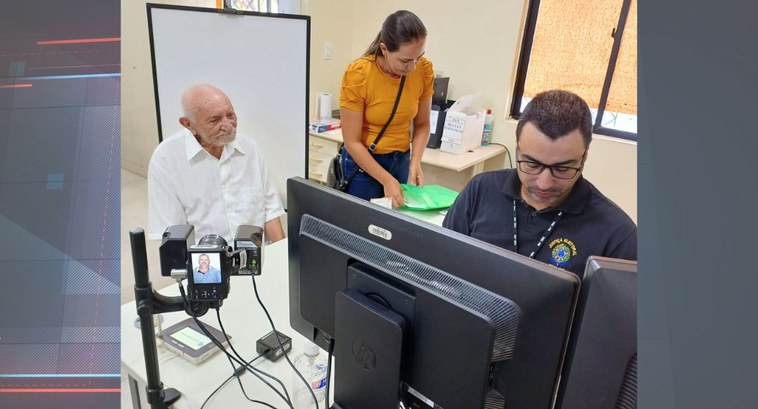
[(210, 263)]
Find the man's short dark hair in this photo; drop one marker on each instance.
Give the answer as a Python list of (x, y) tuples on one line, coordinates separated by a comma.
[(556, 113)]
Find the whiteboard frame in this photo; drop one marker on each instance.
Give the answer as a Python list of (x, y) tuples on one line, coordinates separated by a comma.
[(188, 46)]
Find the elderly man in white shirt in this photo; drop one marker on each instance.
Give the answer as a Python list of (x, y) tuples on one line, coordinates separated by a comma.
[(208, 176)]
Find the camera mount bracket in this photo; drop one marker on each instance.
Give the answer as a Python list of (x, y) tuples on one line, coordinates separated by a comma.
[(150, 303)]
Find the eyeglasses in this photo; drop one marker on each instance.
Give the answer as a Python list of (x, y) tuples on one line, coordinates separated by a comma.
[(558, 171)]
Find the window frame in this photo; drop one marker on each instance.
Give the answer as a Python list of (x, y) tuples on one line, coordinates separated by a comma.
[(523, 67), (228, 5)]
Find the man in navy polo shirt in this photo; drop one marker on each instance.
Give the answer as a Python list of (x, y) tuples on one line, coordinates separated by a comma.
[(545, 209)]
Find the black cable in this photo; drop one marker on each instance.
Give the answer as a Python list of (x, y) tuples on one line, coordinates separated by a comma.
[(217, 389), (510, 162), (330, 352), (237, 372), (229, 357), (221, 347), (239, 381), (279, 340), (287, 400)]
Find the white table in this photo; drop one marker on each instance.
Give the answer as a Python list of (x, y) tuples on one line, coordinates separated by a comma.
[(244, 320), (440, 168), (473, 159)]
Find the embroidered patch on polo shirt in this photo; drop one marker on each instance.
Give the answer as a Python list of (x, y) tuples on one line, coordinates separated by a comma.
[(561, 251)]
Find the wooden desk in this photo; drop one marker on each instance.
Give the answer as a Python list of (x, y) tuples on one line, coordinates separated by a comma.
[(440, 168)]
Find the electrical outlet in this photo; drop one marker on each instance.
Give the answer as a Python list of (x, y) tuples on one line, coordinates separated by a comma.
[(327, 50)]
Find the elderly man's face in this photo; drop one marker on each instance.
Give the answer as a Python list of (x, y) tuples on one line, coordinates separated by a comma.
[(215, 121), (204, 262)]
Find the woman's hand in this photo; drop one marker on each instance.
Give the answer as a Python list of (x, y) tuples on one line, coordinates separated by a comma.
[(393, 190), (416, 175)]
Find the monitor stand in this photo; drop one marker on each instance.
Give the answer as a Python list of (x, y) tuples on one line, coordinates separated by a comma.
[(368, 353)]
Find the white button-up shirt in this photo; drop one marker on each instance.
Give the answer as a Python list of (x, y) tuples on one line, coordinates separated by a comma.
[(188, 185)]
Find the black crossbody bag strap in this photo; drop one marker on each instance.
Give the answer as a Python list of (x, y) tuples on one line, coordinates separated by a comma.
[(372, 147)]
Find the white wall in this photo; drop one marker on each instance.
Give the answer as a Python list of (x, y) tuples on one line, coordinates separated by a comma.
[(476, 43), (139, 128), (331, 20)]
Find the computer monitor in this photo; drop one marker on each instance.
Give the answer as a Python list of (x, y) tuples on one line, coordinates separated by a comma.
[(440, 91), (601, 361), (420, 313)]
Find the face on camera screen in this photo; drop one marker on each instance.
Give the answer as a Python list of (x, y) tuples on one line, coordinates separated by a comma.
[(206, 268)]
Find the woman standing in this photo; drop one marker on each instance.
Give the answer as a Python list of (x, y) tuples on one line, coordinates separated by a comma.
[(369, 90)]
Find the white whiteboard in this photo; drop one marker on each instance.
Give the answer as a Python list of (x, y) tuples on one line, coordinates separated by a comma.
[(259, 60)]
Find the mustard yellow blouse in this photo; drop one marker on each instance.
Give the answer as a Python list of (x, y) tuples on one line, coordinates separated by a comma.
[(366, 88)]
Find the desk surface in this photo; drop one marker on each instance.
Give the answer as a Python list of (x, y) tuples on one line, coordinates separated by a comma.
[(435, 157), (244, 320)]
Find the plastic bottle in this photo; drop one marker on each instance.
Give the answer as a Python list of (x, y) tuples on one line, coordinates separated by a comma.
[(487, 132), (312, 365)]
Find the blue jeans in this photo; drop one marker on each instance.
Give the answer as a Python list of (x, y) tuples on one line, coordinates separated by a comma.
[(363, 185)]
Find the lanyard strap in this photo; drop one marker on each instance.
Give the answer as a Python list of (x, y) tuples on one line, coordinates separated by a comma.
[(544, 235)]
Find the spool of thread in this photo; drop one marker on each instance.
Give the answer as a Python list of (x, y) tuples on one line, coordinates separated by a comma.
[(324, 106)]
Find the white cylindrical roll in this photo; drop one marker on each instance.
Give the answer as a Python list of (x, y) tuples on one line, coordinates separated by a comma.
[(325, 106)]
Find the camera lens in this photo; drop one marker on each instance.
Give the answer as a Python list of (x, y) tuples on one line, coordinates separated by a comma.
[(214, 240)]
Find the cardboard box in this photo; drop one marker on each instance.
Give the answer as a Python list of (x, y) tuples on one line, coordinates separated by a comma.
[(324, 125), (462, 132)]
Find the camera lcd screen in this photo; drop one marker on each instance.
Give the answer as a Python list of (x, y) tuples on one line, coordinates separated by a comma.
[(191, 338), (206, 268)]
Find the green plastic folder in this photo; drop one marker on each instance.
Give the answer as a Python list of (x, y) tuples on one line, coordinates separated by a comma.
[(429, 197)]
